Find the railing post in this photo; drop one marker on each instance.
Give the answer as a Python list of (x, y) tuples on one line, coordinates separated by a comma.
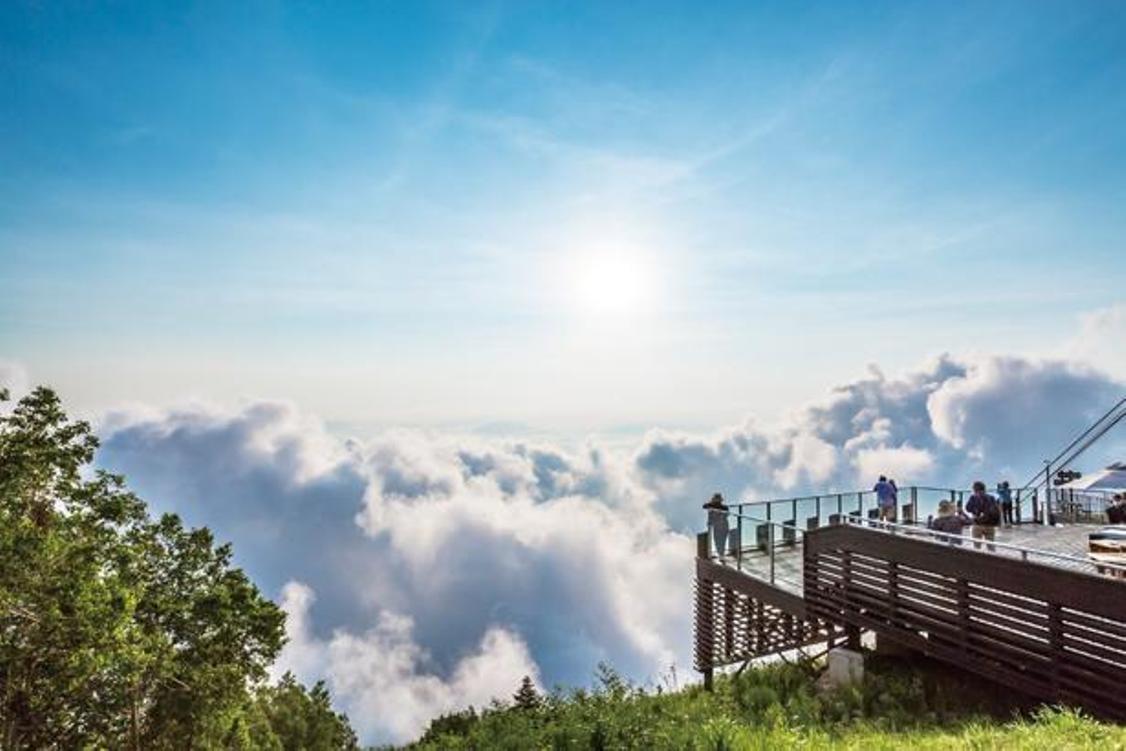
[(893, 591), (739, 543), (1055, 640), (963, 586), (770, 542), (728, 622)]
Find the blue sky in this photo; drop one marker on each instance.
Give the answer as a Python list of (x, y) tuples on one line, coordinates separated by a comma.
[(564, 215)]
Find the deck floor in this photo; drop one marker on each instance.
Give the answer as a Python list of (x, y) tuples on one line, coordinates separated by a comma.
[(1063, 539)]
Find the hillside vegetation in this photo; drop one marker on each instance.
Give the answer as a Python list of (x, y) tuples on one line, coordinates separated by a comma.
[(900, 705)]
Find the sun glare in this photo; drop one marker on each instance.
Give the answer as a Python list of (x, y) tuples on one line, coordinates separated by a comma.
[(613, 282)]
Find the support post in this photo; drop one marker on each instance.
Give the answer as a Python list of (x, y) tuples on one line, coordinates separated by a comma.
[(705, 617)]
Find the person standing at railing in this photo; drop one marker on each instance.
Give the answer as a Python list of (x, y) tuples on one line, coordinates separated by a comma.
[(717, 523), (885, 499), (1005, 495), (986, 513)]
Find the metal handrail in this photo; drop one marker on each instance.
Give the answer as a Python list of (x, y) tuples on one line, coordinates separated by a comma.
[(1022, 550), (771, 545), (770, 522), (916, 497), (868, 491), (1024, 553)]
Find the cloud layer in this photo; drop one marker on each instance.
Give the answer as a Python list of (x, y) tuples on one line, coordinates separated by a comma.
[(427, 572)]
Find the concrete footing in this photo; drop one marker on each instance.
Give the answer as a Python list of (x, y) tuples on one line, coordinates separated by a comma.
[(845, 667)]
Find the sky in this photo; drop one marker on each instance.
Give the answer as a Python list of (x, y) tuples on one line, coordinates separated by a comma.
[(450, 315), (562, 216)]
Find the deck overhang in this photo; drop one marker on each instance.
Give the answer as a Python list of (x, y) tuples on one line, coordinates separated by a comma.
[(1050, 631)]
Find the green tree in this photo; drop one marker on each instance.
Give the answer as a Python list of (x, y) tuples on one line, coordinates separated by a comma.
[(526, 697), (115, 629), (302, 720)]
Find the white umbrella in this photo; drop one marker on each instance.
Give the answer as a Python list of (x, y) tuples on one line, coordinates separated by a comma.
[(1111, 479)]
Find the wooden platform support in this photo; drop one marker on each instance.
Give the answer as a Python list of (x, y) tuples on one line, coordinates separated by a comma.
[(1051, 632)]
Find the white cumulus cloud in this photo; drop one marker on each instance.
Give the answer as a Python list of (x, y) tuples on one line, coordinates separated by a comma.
[(426, 571), (385, 680)]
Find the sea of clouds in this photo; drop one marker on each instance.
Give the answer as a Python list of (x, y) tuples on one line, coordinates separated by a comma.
[(425, 572)]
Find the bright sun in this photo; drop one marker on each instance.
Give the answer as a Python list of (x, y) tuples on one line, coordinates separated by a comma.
[(613, 282)]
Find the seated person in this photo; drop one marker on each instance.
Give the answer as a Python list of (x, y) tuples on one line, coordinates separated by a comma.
[(950, 520), (1116, 511)]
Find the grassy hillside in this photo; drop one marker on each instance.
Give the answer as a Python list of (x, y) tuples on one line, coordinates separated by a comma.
[(901, 705)]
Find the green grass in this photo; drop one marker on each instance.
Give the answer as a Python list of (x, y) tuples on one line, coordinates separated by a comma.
[(913, 705)]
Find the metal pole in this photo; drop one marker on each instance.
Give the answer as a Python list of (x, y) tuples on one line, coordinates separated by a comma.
[(739, 543), (770, 541), (770, 533), (1047, 491)]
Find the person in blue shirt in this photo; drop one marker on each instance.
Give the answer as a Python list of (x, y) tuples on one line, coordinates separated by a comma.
[(885, 499), (1005, 495)]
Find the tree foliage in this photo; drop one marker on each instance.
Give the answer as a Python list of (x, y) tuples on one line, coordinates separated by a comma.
[(526, 697), (296, 719), (123, 631)]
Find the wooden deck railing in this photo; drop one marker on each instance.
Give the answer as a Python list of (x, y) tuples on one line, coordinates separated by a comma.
[(1050, 632), (740, 617)]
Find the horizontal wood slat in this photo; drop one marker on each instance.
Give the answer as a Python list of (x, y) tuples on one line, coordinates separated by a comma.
[(1054, 633)]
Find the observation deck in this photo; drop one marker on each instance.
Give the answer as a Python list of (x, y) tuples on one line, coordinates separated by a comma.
[(1029, 609)]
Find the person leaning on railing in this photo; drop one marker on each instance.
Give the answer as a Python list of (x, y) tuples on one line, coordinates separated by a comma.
[(949, 521), (717, 523)]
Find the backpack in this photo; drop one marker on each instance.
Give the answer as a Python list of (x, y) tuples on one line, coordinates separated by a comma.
[(990, 515)]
